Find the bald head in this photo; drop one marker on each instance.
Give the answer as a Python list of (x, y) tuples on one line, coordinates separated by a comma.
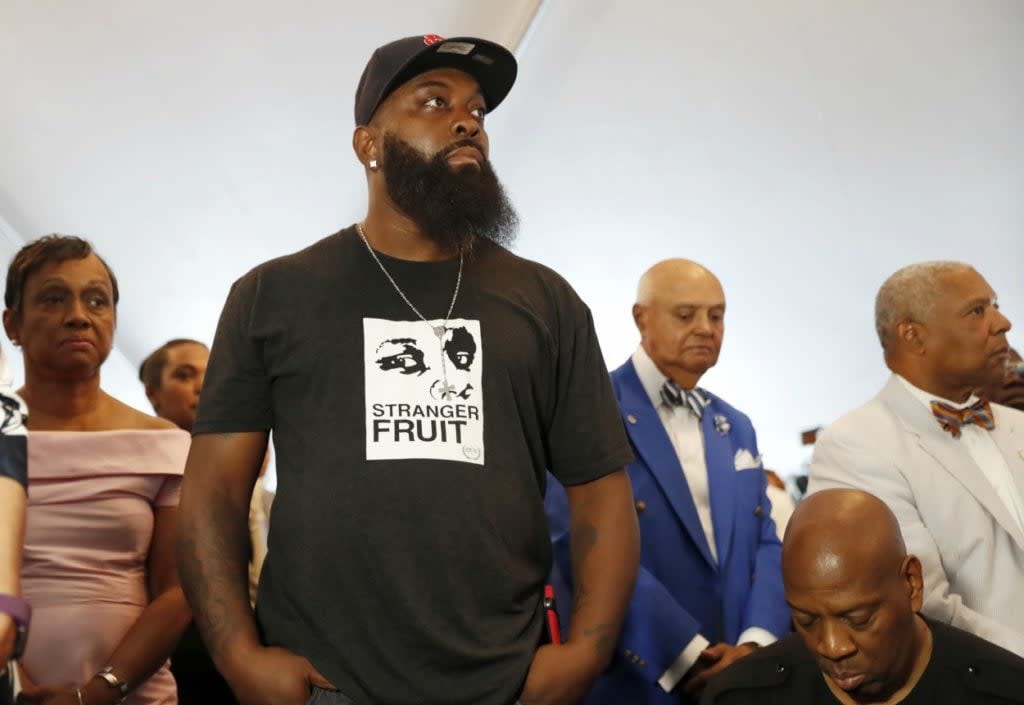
[(680, 313), (840, 531), (855, 594), (674, 278)]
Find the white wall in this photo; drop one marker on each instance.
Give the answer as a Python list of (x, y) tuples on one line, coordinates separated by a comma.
[(801, 149)]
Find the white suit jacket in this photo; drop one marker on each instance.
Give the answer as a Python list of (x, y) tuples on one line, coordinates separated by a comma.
[(971, 550)]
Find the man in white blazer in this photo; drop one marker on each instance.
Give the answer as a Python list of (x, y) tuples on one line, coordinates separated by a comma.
[(950, 466)]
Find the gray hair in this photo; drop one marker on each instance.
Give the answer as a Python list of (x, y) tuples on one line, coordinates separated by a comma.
[(910, 294)]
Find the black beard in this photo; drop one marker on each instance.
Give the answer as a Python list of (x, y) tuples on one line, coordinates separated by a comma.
[(452, 206)]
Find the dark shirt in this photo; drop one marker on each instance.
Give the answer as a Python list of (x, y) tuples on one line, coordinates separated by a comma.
[(964, 670), (924, 693), (409, 545), (13, 417)]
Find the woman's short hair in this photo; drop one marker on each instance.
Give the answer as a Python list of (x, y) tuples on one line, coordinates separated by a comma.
[(47, 249)]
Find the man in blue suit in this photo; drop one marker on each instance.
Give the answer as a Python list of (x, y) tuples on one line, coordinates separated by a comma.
[(710, 585)]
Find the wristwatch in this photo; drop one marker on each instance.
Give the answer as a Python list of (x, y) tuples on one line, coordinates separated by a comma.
[(21, 612), (113, 681)]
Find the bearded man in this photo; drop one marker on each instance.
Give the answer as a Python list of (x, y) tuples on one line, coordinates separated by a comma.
[(420, 380)]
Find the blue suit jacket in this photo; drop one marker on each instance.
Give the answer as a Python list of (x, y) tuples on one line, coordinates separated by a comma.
[(681, 591)]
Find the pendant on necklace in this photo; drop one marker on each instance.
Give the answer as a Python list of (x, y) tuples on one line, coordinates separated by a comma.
[(439, 331)]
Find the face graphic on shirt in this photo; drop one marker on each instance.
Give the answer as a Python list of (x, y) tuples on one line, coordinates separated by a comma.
[(408, 356), (12, 415), (460, 348), (423, 393), (402, 355)]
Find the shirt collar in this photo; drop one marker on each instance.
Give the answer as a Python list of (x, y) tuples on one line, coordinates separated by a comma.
[(926, 398), (652, 379)]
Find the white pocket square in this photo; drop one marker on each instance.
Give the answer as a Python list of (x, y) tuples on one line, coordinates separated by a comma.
[(745, 460)]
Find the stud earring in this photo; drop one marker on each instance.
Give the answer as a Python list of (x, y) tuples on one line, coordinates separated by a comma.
[(373, 165)]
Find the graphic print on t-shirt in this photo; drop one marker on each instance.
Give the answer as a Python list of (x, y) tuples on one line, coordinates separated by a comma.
[(424, 396)]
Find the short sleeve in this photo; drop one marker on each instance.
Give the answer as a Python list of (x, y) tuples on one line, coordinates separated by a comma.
[(586, 438), (236, 391), (13, 416), (170, 492)]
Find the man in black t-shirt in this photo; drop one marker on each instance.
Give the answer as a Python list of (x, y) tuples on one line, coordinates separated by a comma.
[(855, 595), (420, 380)]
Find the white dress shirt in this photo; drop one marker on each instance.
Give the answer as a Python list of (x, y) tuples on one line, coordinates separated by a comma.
[(684, 430), (783, 507), (979, 444)]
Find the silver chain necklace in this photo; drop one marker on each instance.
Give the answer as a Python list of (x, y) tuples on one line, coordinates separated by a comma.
[(439, 331)]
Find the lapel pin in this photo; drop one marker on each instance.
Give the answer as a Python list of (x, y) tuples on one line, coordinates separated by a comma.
[(722, 424), (631, 419), (640, 506)]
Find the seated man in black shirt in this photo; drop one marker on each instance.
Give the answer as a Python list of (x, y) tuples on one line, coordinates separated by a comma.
[(855, 596)]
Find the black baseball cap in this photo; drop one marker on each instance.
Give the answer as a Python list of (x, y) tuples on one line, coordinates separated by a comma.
[(492, 65)]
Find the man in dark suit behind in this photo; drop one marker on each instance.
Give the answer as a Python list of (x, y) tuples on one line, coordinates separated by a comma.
[(855, 595)]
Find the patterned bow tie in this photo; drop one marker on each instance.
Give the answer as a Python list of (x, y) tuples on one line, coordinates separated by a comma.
[(952, 418), (673, 396)]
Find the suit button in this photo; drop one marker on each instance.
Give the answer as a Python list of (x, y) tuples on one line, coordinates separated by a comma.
[(629, 653), (640, 506), (752, 576), (631, 419), (973, 670), (758, 511), (641, 663), (780, 668)]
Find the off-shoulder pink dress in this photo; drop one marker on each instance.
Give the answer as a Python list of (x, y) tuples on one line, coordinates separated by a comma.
[(91, 498)]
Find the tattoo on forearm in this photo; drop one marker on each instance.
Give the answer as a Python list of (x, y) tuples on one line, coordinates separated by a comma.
[(603, 635), (583, 539), (212, 551)]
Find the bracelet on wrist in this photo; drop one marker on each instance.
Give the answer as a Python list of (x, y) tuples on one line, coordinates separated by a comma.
[(107, 674)]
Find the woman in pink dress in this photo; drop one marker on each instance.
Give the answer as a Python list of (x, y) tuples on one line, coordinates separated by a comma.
[(103, 481)]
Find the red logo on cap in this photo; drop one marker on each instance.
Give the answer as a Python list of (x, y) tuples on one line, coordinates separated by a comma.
[(431, 39)]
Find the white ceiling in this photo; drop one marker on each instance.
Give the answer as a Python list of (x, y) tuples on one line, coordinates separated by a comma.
[(803, 150)]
